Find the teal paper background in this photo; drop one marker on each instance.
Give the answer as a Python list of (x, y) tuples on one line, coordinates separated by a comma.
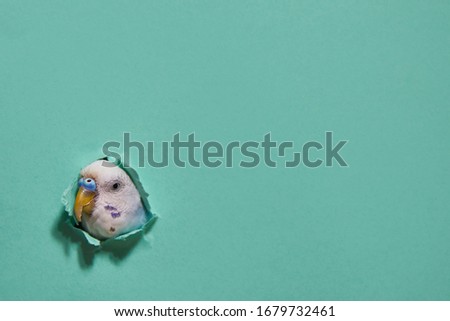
[(74, 75)]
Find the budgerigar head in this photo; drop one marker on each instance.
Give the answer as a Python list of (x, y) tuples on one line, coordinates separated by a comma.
[(107, 202)]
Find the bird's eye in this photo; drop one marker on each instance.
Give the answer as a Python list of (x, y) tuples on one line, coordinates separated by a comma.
[(89, 184), (115, 185)]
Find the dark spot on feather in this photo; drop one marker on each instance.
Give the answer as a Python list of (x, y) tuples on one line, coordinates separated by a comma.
[(115, 214)]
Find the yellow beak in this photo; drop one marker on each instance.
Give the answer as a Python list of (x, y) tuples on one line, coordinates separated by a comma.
[(84, 203)]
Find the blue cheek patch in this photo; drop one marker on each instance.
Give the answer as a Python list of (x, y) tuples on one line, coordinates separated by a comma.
[(115, 214)]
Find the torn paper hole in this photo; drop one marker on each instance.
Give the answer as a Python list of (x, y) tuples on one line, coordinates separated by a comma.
[(107, 202)]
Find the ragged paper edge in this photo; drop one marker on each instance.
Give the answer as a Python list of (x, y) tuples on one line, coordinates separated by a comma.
[(68, 200)]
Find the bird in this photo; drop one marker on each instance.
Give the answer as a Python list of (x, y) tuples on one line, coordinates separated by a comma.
[(108, 203)]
